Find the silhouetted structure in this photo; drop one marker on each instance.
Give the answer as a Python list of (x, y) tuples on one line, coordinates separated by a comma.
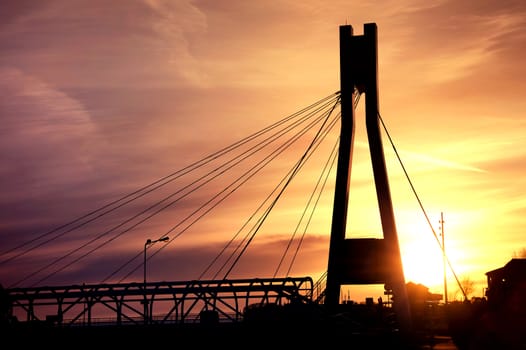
[(183, 302), (499, 321), (270, 304), (427, 313), (507, 283), (363, 261)]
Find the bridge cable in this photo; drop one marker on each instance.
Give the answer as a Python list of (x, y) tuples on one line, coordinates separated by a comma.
[(333, 123), (320, 138), (253, 170), (296, 169), (215, 155), (134, 225), (173, 228), (123, 200), (421, 205), (244, 225), (332, 156), (327, 171)]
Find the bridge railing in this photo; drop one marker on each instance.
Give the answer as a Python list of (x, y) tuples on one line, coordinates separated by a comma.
[(175, 302), (318, 289)]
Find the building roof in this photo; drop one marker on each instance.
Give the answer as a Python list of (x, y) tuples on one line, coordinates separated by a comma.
[(515, 267)]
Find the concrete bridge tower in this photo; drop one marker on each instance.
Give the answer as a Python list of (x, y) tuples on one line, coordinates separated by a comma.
[(363, 261)]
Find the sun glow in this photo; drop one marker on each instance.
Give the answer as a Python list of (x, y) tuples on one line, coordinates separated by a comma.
[(421, 253), (423, 264)]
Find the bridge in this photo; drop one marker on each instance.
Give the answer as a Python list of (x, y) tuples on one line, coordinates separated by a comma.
[(218, 300), (135, 303)]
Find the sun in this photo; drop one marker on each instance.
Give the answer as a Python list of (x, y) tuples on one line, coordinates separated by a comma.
[(422, 264)]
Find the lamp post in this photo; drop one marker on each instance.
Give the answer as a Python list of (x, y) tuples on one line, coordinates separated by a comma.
[(145, 302)]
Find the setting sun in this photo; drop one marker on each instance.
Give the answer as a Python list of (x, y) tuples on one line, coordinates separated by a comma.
[(423, 264)]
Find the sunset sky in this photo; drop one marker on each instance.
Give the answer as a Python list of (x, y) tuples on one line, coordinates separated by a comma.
[(99, 98)]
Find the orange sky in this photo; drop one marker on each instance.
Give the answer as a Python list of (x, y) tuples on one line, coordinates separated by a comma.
[(98, 98)]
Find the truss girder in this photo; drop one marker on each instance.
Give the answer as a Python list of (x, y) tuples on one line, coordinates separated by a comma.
[(176, 301)]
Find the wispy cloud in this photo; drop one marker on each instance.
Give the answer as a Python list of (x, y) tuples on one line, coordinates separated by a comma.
[(46, 136)]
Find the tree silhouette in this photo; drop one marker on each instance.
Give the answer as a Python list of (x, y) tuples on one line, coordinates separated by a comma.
[(467, 285), (520, 253)]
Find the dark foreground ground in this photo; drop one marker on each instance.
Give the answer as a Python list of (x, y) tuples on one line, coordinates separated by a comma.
[(228, 336), (468, 327)]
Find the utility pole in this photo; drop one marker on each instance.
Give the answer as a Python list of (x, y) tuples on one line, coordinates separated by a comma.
[(444, 257)]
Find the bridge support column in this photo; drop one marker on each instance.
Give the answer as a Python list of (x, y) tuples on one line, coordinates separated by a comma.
[(363, 261)]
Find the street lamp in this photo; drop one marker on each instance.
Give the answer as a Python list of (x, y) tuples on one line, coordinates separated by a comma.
[(146, 244), (150, 242)]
